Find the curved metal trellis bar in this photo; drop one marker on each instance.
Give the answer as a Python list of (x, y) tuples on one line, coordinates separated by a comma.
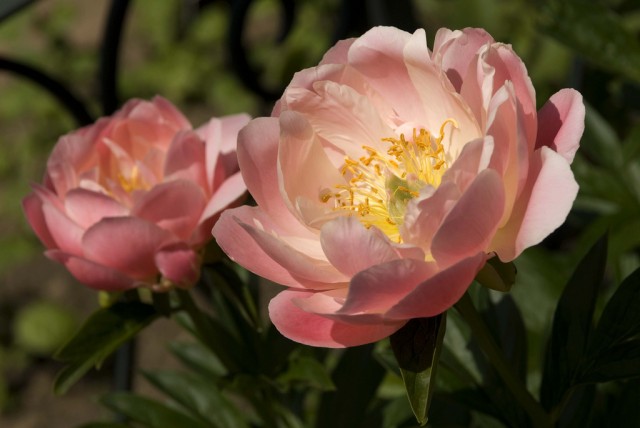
[(238, 52), (72, 104), (109, 55)]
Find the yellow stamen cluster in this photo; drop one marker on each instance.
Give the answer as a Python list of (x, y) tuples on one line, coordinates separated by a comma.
[(133, 182), (381, 184)]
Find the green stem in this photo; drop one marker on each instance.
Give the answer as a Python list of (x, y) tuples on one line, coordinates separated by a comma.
[(483, 337)]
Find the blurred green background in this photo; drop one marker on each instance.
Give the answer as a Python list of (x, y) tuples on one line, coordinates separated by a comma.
[(563, 43)]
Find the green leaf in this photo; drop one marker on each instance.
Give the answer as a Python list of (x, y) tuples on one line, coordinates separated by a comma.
[(600, 141), (104, 425), (619, 362), (572, 323), (497, 275), (198, 358), (148, 412), (620, 319), (596, 32), (308, 371), (101, 334), (200, 396), (356, 378), (417, 347)]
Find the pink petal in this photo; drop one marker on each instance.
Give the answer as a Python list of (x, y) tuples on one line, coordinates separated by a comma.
[(377, 55), (64, 231), (178, 263), (455, 50), (380, 287), (126, 244), (230, 191), (175, 206), (475, 157), (338, 53), (431, 84), (561, 123), (542, 206), (233, 237), (439, 292), (185, 160), (351, 248), (86, 207), (170, 113), (92, 274), (315, 330), (32, 207), (258, 159), (470, 225)]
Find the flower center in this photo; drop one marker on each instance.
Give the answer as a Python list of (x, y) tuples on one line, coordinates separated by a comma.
[(380, 185), (133, 182)]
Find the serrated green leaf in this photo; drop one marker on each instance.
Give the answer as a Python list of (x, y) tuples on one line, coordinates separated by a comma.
[(417, 347), (497, 275), (596, 32), (572, 323), (198, 359), (620, 319), (148, 412), (100, 335), (356, 377), (308, 371), (200, 396)]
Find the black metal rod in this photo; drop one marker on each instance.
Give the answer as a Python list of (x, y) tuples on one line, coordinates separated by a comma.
[(109, 55), (55, 88)]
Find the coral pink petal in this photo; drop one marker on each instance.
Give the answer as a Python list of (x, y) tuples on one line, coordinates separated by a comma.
[(230, 191), (32, 207), (64, 231), (561, 123), (184, 159), (541, 208), (231, 234), (472, 222), (175, 206), (91, 274), (231, 125), (377, 55), (351, 248), (378, 288), (430, 86), (439, 292), (171, 113), (178, 263), (316, 330), (127, 244), (86, 207), (455, 50), (258, 159)]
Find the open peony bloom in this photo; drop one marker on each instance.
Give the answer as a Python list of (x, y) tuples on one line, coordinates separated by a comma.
[(130, 200), (389, 174)]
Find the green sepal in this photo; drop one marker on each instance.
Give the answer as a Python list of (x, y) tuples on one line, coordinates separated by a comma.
[(497, 275), (417, 347)]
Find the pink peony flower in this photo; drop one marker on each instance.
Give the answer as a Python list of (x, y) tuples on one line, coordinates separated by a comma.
[(388, 174), (130, 200)]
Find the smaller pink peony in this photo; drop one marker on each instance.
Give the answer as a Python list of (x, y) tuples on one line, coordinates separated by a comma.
[(130, 200), (387, 175)]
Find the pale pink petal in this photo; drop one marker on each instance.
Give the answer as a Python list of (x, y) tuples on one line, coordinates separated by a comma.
[(472, 222), (351, 248), (439, 292), (32, 207), (185, 159), (542, 206), (170, 113), (64, 231), (126, 244), (175, 206), (91, 274), (561, 123), (431, 85), (455, 50), (258, 159), (178, 263), (86, 207), (305, 170), (316, 330), (230, 191), (235, 240), (377, 55), (475, 157), (338, 54), (378, 288)]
